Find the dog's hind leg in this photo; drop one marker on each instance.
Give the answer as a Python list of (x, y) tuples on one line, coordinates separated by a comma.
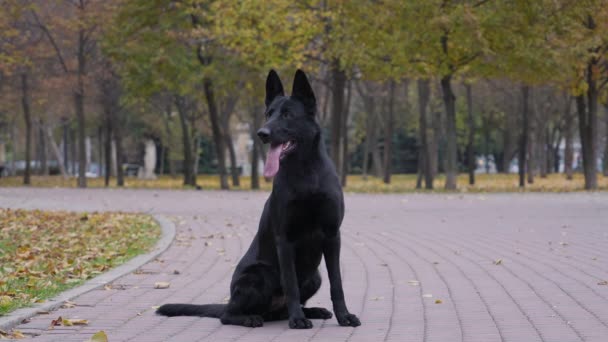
[(307, 290), (251, 297)]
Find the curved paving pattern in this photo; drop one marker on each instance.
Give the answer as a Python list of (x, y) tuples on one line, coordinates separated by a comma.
[(506, 267)]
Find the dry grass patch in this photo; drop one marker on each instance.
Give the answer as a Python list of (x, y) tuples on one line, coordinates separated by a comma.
[(43, 253), (355, 183)]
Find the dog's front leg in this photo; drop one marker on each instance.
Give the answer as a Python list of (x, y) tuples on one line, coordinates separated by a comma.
[(289, 282), (331, 252)]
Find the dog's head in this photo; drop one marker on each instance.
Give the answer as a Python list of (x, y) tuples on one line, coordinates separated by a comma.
[(291, 128)]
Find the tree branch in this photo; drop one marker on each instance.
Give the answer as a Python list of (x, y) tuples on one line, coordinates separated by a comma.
[(51, 40)]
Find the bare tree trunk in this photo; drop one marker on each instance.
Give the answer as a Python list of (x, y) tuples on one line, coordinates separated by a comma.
[(486, 142), (587, 119), (338, 85), (377, 164), (14, 143), (531, 138), (108, 146), (523, 139), (424, 162), (100, 150), (451, 171), (324, 108), (586, 113), (569, 138), (25, 102), (388, 134), (606, 143), (79, 105), (162, 156), (217, 133), (345, 157), (44, 166), (73, 151), (186, 141), (196, 156), (255, 148), (472, 165), (169, 142), (371, 123), (449, 100), (376, 156), (421, 169), (56, 152), (66, 150), (542, 148), (232, 154), (555, 153), (120, 156), (225, 120), (434, 151)]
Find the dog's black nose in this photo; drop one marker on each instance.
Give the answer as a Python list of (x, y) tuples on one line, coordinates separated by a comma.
[(264, 134)]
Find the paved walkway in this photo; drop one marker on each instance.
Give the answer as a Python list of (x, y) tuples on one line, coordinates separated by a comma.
[(444, 268)]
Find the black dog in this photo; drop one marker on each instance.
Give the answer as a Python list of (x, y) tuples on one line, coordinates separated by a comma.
[(300, 223)]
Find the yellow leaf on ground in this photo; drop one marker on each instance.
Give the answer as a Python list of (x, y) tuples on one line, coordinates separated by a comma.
[(99, 336), (68, 305), (17, 335), (498, 262), (77, 321), (438, 301)]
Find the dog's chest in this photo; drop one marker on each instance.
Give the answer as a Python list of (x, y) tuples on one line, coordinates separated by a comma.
[(309, 220)]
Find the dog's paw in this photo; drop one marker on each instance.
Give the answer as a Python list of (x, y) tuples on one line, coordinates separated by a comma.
[(300, 323), (317, 313), (253, 321), (348, 320)]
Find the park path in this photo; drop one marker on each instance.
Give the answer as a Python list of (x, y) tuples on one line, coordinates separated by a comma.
[(475, 267)]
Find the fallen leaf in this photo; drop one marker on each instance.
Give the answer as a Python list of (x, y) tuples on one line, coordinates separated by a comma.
[(413, 282), (76, 321), (68, 304), (56, 322), (498, 262), (99, 336), (438, 301), (17, 335), (603, 282), (161, 285)]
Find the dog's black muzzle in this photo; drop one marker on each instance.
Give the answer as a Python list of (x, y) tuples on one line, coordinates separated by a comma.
[(264, 134)]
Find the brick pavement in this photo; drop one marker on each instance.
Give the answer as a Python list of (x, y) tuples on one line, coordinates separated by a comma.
[(505, 267)]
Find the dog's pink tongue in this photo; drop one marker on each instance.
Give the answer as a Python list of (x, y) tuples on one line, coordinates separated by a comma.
[(271, 167)]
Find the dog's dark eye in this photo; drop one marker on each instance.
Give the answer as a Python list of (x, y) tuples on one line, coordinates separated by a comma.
[(286, 114), (268, 114)]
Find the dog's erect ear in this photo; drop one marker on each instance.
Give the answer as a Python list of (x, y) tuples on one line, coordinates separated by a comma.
[(274, 87), (303, 91)]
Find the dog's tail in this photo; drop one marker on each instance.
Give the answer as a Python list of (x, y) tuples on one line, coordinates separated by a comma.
[(207, 310)]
